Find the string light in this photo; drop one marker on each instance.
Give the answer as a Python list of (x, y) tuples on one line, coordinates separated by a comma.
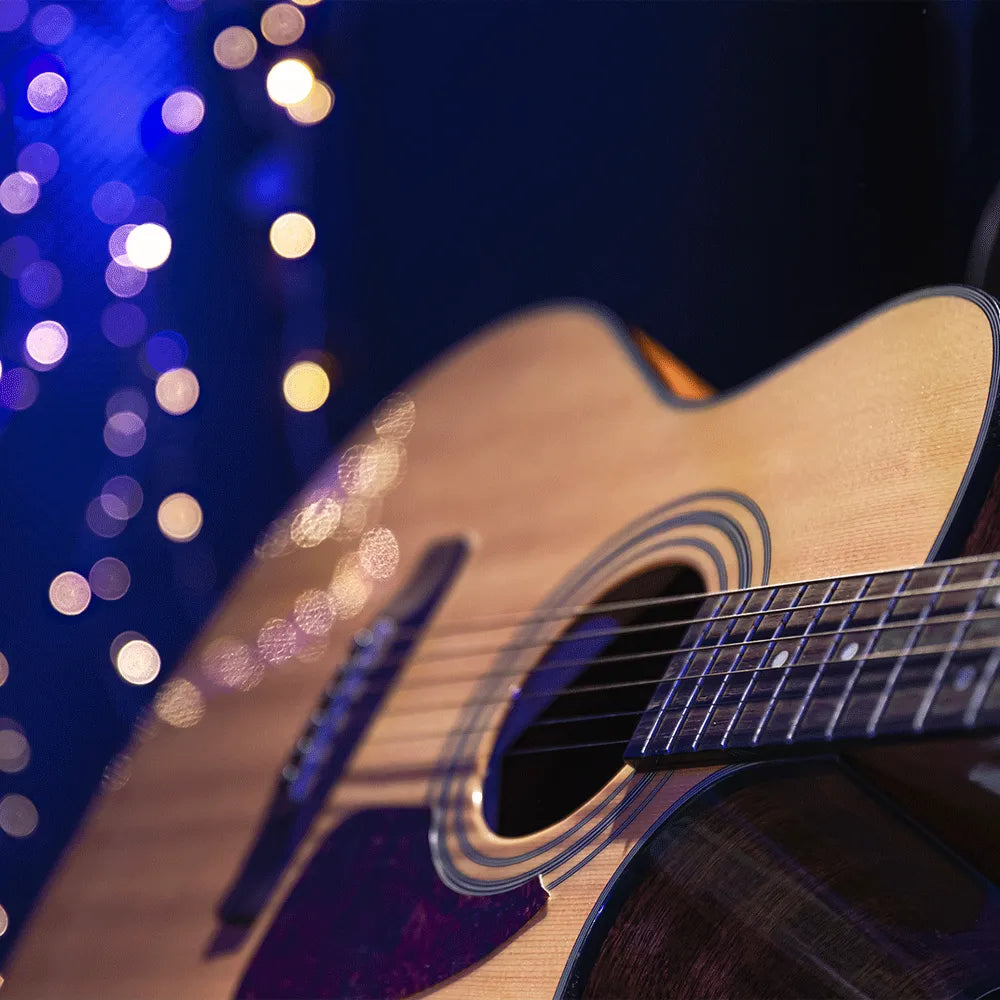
[(47, 92), (314, 107), (15, 753), (18, 816), (183, 111), (46, 343), (289, 81), (52, 24), (306, 386), (234, 47), (179, 517), (137, 661), (148, 246), (69, 593), (292, 235), (282, 24), (177, 391), (19, 192)]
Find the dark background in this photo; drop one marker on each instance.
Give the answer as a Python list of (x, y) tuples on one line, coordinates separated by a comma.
[(737, 179)]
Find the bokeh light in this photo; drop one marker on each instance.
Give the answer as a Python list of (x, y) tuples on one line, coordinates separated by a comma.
[(69, 593), (177, 391), (183, 111), (4, 669), (18, 816), (315, 522), (123, 323), (278, 640), (18, 388), (40, 284), (112, 202), (46, 343), (4, 921), (40, 160), (109, 578), (292, 235), (349, 588), (307, 3), (282, 24), (117, 245), (15, 753), (235, 47), (313, 614), (179, 703), (13, 14), (148, 246), (136, 660), (314, 107), (130, 399), (124, 433), (100, 522), (16, 254), (125, 282), (306, 386), (121, 497), (179, 517), (378, 553), (47, 92), (395, 416), (230, 663), (52, 24), (289, 81), (19, 192)]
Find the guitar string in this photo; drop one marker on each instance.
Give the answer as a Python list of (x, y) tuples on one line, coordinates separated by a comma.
[(584, 634), (415, 684), (915, 651), (493, 623)]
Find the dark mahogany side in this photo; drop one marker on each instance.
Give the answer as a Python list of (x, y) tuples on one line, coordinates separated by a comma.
[(369, 917), (792, 881)]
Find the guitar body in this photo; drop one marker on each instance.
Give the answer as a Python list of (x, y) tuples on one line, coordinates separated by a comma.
[(570, 467)]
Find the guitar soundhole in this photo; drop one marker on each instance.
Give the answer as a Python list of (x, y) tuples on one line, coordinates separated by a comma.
[(566, 731)]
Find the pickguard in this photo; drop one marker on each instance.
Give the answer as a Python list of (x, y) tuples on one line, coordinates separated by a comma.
[(370, 917)]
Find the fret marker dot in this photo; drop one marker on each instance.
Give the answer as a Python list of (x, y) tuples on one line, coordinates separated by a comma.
[(964, 678), (780, 658), (849, 651)]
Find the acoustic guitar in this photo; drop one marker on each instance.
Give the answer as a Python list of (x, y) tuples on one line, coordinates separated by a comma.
[(565, 678)]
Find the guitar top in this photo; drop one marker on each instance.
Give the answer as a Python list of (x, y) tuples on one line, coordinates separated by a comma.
[(565, 678)]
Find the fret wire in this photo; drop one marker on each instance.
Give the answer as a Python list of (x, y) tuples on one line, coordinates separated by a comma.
[(654, 729), (908, 645), (765, 656), (728, 631), (791, 662), (752, 630), (934, 685), (981, 689), (821, 666), (869, 646)]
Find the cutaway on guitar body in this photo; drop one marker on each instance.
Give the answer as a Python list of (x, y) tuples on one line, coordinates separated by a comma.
[(748, 557)]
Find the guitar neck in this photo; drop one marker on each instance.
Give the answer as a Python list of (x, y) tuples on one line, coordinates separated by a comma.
[(796, 668)]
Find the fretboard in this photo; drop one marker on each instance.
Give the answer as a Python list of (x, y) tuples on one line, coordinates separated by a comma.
[(797, 667)]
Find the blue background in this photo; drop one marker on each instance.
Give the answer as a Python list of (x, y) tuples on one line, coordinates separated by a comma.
[(736, 179)]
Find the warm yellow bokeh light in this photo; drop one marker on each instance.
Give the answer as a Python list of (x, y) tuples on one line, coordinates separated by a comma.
[(318, 103), (235, 47), (179, 703), (307, 3), (289, 81), (306, 386), (179, 517), (69, 593), (4, 921), (177, 391), (138, 662), (148, 246), (292, 235), (282, 24)]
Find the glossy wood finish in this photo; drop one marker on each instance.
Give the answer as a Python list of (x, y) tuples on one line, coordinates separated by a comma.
[(539, 439)]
